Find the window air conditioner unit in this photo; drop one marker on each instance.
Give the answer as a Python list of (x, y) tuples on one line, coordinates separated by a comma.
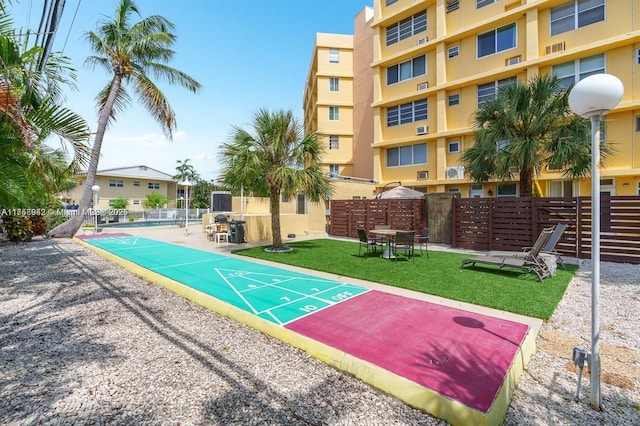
[(423, 86), (456, 172), (554, 48), (423, 175), (423, 40), (422, 130)]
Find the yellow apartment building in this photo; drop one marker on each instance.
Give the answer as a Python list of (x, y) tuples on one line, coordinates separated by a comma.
[(133, 183), (436, 61), (337, 105)]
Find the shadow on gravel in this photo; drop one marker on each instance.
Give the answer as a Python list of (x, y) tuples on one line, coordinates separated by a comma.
[(41, 348)]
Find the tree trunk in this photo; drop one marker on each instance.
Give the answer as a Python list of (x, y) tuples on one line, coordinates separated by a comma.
[(274, 197), (69, 228), (526, 182)]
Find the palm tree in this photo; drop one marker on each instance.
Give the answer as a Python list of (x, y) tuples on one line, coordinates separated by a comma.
[(130, 52), (30, 114), (275, 158), (526, 127)]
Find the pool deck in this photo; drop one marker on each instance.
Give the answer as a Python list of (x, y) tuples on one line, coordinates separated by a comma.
[(333, 344)]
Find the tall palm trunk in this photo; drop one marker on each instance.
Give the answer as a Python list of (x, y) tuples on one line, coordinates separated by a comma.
[(526, 182), (70, 227), (274, 197)]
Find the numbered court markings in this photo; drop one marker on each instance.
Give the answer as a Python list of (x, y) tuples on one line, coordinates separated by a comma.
[(274, 294), (284, 298)]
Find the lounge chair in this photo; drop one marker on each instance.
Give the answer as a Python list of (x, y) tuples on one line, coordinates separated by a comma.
[(548, 248), (404, 241), (369, 243), (530, 262)]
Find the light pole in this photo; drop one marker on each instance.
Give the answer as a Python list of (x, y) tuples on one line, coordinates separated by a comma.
[(95, 189), (186, 185), (593, 97)]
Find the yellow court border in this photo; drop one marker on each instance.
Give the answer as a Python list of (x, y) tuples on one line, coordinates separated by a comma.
[(411, 393)]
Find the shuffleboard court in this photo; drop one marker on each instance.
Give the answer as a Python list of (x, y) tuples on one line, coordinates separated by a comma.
[(458, 365), (277, 295)]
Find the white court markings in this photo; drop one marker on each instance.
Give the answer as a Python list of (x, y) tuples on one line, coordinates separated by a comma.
[(265, 293)]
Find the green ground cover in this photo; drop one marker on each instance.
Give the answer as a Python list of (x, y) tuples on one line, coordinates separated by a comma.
[(439, 275)]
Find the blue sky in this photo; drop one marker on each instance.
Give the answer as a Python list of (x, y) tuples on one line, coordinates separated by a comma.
[(247, 54)]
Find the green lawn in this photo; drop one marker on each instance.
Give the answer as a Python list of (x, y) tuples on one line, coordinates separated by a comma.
[(439, 274)]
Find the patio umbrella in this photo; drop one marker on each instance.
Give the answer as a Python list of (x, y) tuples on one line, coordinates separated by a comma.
[(401, 192)]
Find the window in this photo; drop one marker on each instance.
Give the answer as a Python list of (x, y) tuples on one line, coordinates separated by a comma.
[(406, 70), (574, 71), (334, 113), (476, 190), (561, 188), (454, 147), (488, 91), (638, 57), (285, 198), (407, 155), (497, 40), (607, 187), (453, 5), (334, 170), (407, 113), (507, 190), (334, 142), (136, 202), (113, 183), (407, 27), (301, 204), (153, 185), (389, 2), (334, 84), (334, 56), (638, 123), (638, 188), (136, 183), (454, 99), (502, 145), (576, 14), (453, 52), (483, 3)]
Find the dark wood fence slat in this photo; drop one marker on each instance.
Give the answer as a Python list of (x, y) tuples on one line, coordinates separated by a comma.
[(507, 223)]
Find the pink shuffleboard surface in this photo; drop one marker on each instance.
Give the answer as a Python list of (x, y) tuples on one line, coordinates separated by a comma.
[(459, 354)]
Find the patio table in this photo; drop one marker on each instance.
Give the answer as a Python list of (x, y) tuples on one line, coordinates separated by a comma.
[(388, 234)]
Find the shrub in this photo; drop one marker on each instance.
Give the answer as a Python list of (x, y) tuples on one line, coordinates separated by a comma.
[(38, 224), (54, 220), (18, 228)]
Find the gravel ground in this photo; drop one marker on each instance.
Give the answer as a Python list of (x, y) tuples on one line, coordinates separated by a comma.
[(85, 342)]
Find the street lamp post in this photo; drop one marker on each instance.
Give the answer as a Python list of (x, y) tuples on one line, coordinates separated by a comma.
[(186, 185), (95, 189), (593, 97)]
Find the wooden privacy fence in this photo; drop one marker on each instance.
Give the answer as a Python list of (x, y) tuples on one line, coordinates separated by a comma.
[(349, 215), (511, 223)]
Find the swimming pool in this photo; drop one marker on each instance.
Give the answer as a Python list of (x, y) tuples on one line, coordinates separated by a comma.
[(148, 223)]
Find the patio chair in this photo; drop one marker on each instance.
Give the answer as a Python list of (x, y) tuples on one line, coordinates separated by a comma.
[(552, 242), (405, 241), (423, 240), (222, 232), (530, 262), (210, 231), (549, 246), (369, 243)]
